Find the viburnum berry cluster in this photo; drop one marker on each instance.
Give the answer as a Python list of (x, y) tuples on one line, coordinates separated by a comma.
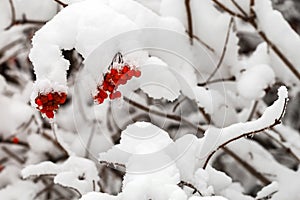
[(50, 102), (119, 73)]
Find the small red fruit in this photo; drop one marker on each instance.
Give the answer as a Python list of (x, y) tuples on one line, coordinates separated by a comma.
[(115, 95), (137, 73), (125, 69), (50, 97), (131, 73), (49, 114), (15, 140), (102, 94), (38, 102)]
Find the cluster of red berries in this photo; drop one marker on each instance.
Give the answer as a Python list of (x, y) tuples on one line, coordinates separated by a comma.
[(48, 103), (112, 79)]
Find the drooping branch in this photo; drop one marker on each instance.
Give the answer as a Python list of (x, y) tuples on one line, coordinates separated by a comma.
[(276, 122)]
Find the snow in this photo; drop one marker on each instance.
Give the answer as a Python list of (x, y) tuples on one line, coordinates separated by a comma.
[(254, 81), (267, 190), (76, 173), (209, 99), (13, 109), (140, 138), (27, 189), (208, 198), (98, 196)]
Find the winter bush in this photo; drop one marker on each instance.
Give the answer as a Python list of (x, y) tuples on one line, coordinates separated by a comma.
[(149, 99)]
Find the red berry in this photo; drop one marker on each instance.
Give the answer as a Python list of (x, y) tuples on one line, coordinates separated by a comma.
[(131, 73), (38, 102), (44, 99), (15, 140), (99, 100), (102, 94), (125, 69), (113, 72), (111, 88), (115, 95), (63, 98), (137, 73), (49, 114), (49, 96)]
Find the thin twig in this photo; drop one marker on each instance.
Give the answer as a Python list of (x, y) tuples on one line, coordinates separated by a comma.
[(13, 155), (13, 14), (190, 20), (9, 141), (287, 149), (45, 189), (239, 7), (246, 165), (53, 129), (223, 51), (183, 183), (10, 45), (203, 43), (276, 122), (216, 81), (112, 165), (24, 20), (61, 3), (252, 110), (55, 142), (3, 160), (88, 145), (169, 116), (232, 13)]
